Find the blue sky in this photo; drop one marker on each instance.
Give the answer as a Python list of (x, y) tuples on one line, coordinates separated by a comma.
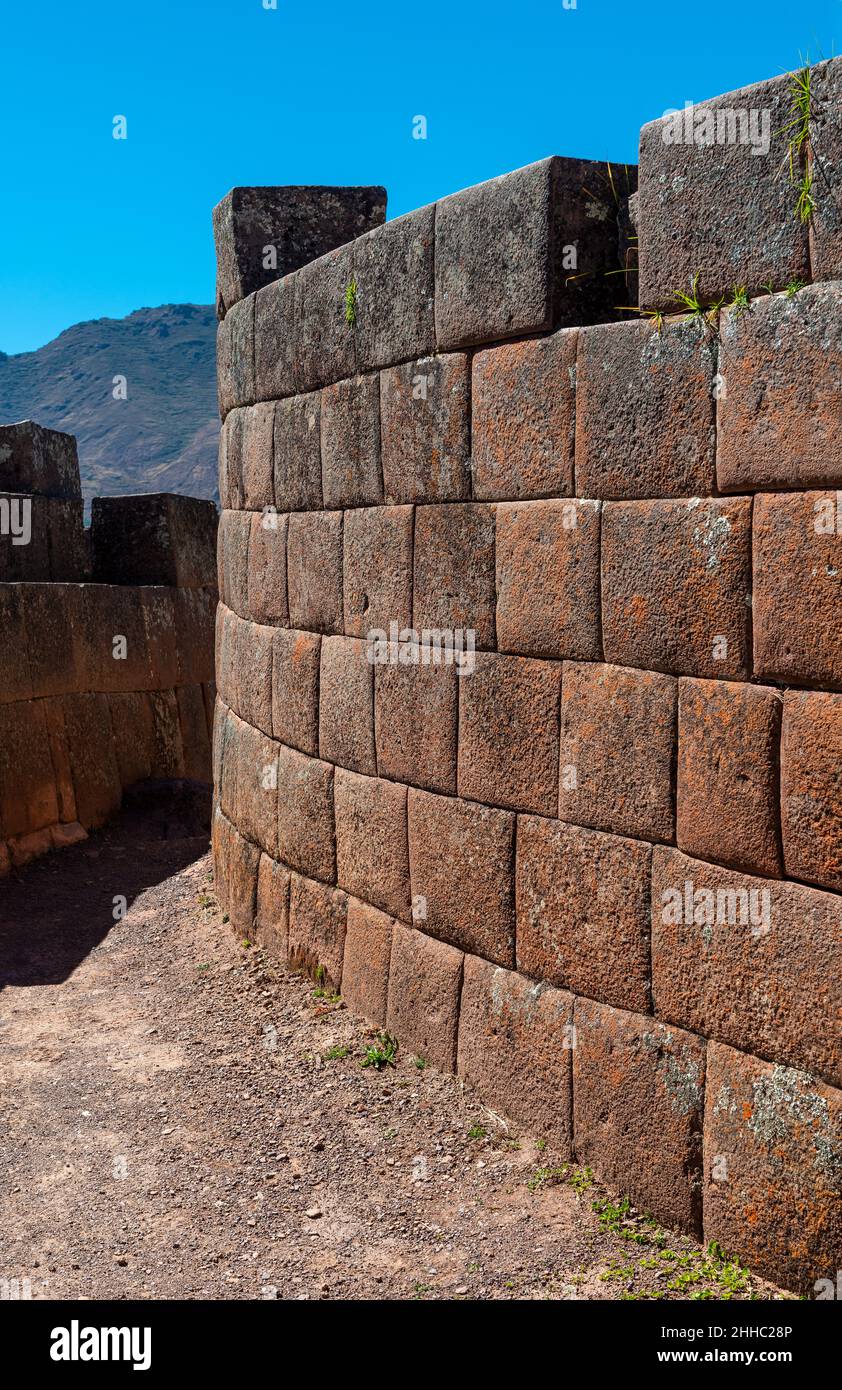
[(227, 92)]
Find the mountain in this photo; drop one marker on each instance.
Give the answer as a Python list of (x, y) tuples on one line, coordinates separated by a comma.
[(163, 436)]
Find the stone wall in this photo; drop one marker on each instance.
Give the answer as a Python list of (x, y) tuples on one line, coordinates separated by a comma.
[(589, 857), (102, 684)]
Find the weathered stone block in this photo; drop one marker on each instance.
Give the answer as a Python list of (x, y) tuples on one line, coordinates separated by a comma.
[(231, 460), (314, 571), (618, 740), (583, 911), (393, 270), (295, 689), (194, 732), (523, 418), (749, 961), (225, 646), (461, 859), (274, 340), (60, 756), (96, 777), (778, 418), (134, 734), (267, 569), (305, 814), (346, 705), (525, 252), (548, 579), (52, 641), (271, 920), (157, 538), (112, 640), (715, 200), (372, 860), (159, 620), (325, 340), (515, 1046), (167, 742), (298, 457), (235, 862), (365, 969), (454, 569), (263, 233), (235, 357), (28, 799), (773, 1155), (423, 1005), (15, 662), (508, 733), (811, 795), (24, 539), (40, 461), (251, 775), (425, 430), (258, 428), (797, 550), (638, 1099), (351, 443), (378, 569), (676, 586), (645, 410), (826, 161), (252, 658), (232, 553), (727, 784), (69, 543), (317, 924), (415, 721)]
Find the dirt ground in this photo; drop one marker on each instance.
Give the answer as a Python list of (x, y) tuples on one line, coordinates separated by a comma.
[(180, 1119)]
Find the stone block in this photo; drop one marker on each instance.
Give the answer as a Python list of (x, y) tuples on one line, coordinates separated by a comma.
[(645, 410), (16, 672), (267, 569), (423, 1005), (748, 961), (167, 742), (235, 357), (325, 340), (314, 571), (159, 621), (298, 457), (582, 902), (811, 795), (525, 252), (252, 656), (251, 776), (676, 586), (715, 199), (350, 427), (195, 618), (305, 814), (235, 863), (826, 160), (40, 461), (523, 418), (271, 920), (508, 733), (638, 1103), (727, 783), (415, 720), (346, 705), (425, 430), (194, 733), (274, 340), (372, 859), (112, 639), (295, 689), (377, 569), (797, 553), (317, 925), (365, 968), (69, 543), (773, 1153), (393, 270), (515, 1046), (258, 455), (778, 418), (262, 233), (461, 859), (28, 798), (231, 460), (618, 736), (157, 538), (134, 735), (548, 579), (454, 569), (93, 761), (52, 615)]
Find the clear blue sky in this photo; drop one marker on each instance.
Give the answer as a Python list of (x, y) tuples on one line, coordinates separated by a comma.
[(318, 91)]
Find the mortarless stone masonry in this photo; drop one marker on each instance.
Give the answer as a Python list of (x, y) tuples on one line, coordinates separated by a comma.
[(591, 859)]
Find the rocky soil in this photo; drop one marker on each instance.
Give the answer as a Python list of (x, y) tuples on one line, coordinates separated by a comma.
[(180, 1119)]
